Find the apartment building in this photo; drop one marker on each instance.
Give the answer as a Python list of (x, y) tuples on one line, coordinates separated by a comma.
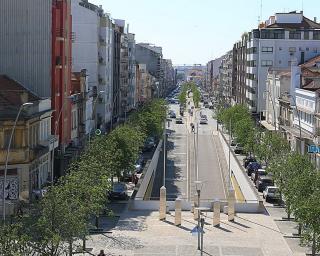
[(226, 77), (38, 55), (29, 162), (131, 103), (151, 55), (239, 58), (92, 51), (281, 39)]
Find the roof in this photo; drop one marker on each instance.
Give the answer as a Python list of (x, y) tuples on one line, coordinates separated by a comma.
[(305, 24), (13, 93), (311, 63), (312, 85)]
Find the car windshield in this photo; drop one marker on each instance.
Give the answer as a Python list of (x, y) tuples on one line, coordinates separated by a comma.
[(118, 187), (272, 190)]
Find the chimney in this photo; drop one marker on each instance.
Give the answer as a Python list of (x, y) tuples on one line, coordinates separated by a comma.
[(315, 19)]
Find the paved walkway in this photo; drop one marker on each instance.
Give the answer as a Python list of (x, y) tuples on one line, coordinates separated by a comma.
[(141, 233)]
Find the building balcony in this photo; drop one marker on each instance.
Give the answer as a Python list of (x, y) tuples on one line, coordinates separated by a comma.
[(16, 155), (52, 142)]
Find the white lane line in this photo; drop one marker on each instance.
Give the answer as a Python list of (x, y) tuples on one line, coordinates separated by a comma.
[(215, 148), (177, 165), (177, 153)]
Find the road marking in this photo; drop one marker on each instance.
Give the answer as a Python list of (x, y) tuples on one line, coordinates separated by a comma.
[(215, 148), (182, 153), (177, 165)]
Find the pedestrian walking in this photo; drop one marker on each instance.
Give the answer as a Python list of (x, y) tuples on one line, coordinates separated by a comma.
[(101, 253), (192, 127)]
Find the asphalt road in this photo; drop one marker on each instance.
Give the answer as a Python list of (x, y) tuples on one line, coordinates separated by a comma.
[(207, 168), (182, 169)]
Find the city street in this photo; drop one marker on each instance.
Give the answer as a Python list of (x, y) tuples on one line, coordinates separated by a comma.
[(185, 164)]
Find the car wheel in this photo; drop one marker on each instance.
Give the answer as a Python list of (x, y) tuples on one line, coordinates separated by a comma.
[(267, 199)]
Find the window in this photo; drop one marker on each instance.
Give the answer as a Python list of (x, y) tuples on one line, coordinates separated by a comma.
[(292, 49), (272, 34), (307, 49), (267, 49), (266, 63), (252, 50), (250, 76), (306, 35), (294, 35), (316, 35), (315, 50)]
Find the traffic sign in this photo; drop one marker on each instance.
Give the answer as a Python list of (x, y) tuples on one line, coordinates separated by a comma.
[(195, 230)]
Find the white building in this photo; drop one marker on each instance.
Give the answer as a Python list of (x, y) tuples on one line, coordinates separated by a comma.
[(282, 38), (91, 50)]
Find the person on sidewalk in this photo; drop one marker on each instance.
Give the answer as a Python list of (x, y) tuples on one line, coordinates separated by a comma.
[(101, 253)]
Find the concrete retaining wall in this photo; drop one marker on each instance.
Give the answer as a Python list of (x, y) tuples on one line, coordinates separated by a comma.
[(249, 193), (146, 183)]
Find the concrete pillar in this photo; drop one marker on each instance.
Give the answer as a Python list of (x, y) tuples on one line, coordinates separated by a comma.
[(163, 203), (195, 212), (177, 215), (231, 202), (216, 213)]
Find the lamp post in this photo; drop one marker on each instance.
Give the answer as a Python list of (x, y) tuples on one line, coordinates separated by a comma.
[(199, 185), (55, 131), (93, 107), (274, 112), (7, 160)]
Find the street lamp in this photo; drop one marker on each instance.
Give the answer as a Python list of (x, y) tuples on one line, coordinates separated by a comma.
[(274, 112), (199, 185), (93, 107), (7, 160), (55, 131)]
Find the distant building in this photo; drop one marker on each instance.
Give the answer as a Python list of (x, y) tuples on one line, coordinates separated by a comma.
[(37, 54), (29, 166)]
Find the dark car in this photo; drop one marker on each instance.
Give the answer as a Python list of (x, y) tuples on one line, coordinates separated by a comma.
[(263, 182), (139, 164), (149, 144), (238, 149), (179, 120), (119, 192), (252, 167), (247, 160)]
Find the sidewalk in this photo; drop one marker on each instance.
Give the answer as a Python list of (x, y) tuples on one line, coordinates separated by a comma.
[(141, 233)]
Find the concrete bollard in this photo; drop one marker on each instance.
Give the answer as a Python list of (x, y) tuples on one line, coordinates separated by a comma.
[(163, 203), (231, 202), (216, 213), (177, 215)]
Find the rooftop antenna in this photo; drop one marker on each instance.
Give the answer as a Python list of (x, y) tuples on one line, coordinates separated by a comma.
[(260, 11), (302, 5)]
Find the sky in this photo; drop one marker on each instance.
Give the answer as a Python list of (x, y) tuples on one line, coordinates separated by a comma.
[(194, 32)]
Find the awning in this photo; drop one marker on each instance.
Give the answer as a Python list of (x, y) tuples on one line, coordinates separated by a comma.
[(268, 126), (296, 133)]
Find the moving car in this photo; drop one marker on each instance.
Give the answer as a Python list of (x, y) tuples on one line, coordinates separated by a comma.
[(203, 120), (271, 193), (263, 182), (139, 164), (118, 192), (179, 120)]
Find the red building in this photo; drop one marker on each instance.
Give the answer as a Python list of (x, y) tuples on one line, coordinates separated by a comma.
[(61, 70)]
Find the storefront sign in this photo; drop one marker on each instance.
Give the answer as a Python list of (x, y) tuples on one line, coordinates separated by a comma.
[(313, 149)]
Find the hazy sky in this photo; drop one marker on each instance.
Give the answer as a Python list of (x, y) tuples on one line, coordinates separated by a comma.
[(196, 31)]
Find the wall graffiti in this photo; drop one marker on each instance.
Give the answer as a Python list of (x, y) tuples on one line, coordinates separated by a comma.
[(11, 188)]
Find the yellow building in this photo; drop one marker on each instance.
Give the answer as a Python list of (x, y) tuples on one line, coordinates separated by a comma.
[(29, 161)]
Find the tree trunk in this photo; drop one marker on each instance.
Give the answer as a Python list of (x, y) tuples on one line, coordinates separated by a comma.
[(84, 243), (313, 248), (70, 248)]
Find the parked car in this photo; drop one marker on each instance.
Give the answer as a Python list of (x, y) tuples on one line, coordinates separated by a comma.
[(203, 120), (258, 173), (179, 120), (271, 193), (149, 144), (252, 167), (238, 149), (247, 160), (263, 182), (172, 114), (139, 164), (118, 192)]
